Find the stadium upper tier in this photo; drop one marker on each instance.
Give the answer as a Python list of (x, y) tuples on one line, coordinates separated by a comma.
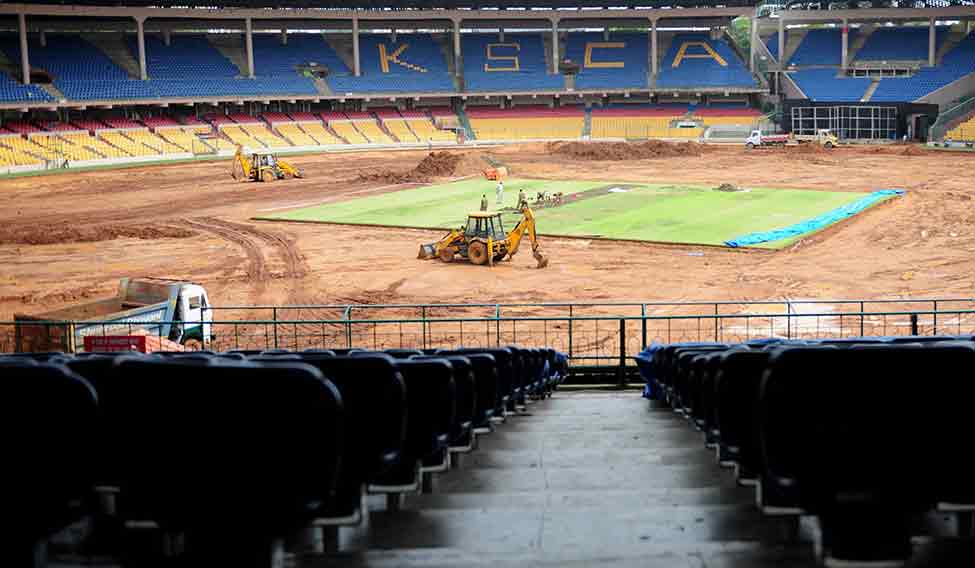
[(192, 66), (833, 84)]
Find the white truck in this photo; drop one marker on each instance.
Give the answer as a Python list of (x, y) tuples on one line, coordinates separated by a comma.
[(173, 310), (823, 137)]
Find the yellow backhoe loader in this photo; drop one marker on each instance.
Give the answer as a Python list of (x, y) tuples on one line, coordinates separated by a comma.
[(262, 166), (483, 240)]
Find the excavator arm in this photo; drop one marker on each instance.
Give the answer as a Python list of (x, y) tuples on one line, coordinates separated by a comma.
[(437, 249), (242, 166), (526, 226)]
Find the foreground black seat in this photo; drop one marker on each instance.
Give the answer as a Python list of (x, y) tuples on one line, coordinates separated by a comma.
[(505, 369), (47, 425), (461, 432), (374, 394), (866, 445), (234, 455), (736, 383)]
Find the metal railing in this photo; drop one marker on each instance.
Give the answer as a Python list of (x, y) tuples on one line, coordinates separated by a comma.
[(589, 340)]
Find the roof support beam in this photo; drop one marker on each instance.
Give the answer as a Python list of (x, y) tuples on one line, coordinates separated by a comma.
[(24, 57)]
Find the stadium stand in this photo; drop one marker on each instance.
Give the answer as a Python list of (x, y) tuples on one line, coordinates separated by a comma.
[(772, 43), (63, 147), (964, 131), (694, 60), (12, 154), (130, 146), (392, 420), (526, 123), (271, 59), (619, 63), (645, 122), (821, 47), (293, 133), (957, 63), (344, 128), (827, 85), (760, 405), (367, 125), (413, 64), (427, 132), (312, 125), (900, 44), (13, 91), (517, 63)]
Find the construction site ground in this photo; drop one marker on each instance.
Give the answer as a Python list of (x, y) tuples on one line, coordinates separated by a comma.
[(69, 237)]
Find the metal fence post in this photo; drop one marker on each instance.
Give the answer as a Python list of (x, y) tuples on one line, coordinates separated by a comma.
[(861, 319), (643, 326), (622, 369), (497, 319), (570, 331), (935, 330), (348, 327), (274, 318), (913, 324), (423, 328), (715, 322)]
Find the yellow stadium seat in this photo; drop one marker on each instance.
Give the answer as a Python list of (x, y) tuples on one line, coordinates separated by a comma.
[(25, 146), (237, 135), (11, 155), (99, 146), (292, 133), (318, 132), (426, 130), (373, 132), (64, 147), (524, 128), (964, 131), (638, 127), (349, 132), (264, 136), (132, 147), (400, 129), (185, 139)]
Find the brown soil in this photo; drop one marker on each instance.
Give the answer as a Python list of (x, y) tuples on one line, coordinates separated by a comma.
[(921, 245), (52, 234), (436, 164), (618, 151)]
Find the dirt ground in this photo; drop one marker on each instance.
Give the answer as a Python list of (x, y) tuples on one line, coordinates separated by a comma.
[(70, 237)]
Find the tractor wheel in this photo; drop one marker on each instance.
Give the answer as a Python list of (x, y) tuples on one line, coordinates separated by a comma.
[(447, 254), (478, 253), (267, 175), (828, 145)]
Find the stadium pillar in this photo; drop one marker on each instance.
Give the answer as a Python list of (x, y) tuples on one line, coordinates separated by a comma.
[(42, 37), (931, 43), (781, 41), (501, 35), (555, 45), (249, 41), (140, 26), (653, 47), (457, 47), (167, 37), (355, 45), (284, 36), (753, 42), (844, 56), (24, 58)]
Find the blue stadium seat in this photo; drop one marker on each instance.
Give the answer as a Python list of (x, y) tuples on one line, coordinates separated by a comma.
[(821, 47), (516, 64), (620, 63), (14, 91), (957, 63), (824, 85), (271, 59), (699, 68), (414, 64), (899, 44)]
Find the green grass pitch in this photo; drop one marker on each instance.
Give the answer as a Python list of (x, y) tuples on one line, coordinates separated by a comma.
[(595, 209)]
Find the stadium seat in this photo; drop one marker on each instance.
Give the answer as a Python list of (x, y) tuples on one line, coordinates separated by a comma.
[(695, 60), (48, 422), (518, 63), (412, 64), (526, 123), (620, 63)]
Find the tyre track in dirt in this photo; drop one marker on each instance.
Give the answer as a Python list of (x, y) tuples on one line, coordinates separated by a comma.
[(294, 262), (256, 267)]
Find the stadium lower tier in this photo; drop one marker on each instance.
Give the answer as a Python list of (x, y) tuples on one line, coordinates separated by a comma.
[(527, 128)]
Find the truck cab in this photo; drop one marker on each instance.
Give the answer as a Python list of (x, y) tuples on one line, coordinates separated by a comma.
[(194, 314), (754, 139)]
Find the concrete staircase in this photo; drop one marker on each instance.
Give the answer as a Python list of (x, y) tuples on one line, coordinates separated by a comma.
[(870, 90), (231, 46), (343, 48), (792, 41), (593, 479), (446, 44), (663, 46), (954, 38), (568, 82), (858, 42), (321, 86), (114, 46)]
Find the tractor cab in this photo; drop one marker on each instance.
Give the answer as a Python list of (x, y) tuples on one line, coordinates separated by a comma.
[(263, 160), (484, 225)]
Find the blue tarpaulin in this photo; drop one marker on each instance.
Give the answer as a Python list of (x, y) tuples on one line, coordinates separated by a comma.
[(816, 223)]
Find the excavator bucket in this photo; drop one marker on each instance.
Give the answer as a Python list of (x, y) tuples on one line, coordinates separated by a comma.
[(541, 260), (427, 252)]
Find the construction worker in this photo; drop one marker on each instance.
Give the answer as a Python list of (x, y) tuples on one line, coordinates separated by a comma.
[(484, 203), (500, 192), (522, 201)]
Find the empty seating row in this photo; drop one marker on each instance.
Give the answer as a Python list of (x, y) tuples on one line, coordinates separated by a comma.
[(863, 433), (237, 451)]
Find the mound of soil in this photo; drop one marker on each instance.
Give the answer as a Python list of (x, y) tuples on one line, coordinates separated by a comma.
[(56, 234), (624, 151), (436, 164), (727, 187), (912, 151)]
